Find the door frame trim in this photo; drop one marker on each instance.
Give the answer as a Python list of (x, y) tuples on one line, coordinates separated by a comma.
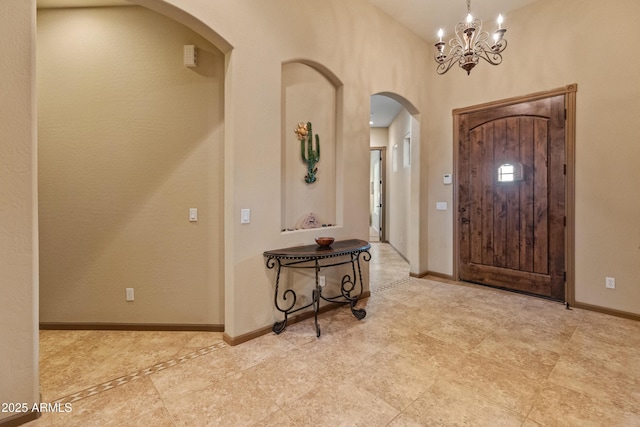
[(569, 93)]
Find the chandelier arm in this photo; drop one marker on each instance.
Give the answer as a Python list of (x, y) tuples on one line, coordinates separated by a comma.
[(492, 54), (491, 57), (499, 47), (445, 66), (445, 62)]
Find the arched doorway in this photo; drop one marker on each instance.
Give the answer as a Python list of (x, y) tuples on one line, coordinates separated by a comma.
[(395, 126)]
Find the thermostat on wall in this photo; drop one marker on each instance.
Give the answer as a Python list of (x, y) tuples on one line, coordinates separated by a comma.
[(447, 178)]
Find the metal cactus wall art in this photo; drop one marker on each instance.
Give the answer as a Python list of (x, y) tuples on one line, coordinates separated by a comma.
[(305, 135)]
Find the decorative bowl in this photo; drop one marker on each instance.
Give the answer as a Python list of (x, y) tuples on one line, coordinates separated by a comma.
[(324, 241)]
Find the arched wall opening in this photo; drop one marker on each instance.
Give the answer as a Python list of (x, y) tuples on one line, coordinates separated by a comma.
[(310, 185), (405, 219), (129, 141)]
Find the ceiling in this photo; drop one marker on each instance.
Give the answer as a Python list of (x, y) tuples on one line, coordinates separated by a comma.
[(81, 3), (423, 17), (383, 111)]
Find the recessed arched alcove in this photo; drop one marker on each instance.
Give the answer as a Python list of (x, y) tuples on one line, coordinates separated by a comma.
[(129, 141), (310, 93)]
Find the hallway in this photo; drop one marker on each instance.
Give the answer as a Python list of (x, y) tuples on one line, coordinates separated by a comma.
[(427, 353)]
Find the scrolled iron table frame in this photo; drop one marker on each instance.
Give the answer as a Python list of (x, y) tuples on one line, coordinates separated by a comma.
[(310, 256)]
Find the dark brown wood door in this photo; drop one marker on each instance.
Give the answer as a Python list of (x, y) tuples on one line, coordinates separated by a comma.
[(512, 233)]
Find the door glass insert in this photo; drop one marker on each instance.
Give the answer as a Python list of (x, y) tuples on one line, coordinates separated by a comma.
[(509, 172)]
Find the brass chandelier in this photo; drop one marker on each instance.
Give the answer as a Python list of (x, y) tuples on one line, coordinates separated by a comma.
[(470, 44)]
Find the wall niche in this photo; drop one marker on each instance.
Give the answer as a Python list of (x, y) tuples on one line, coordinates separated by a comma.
[(309, 94)]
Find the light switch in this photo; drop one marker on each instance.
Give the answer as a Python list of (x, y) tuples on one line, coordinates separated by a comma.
[(245, 216), (441, 206), (446, 178), (193, 214)]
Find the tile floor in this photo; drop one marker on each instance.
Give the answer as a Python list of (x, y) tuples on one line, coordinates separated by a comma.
[(428, 353)]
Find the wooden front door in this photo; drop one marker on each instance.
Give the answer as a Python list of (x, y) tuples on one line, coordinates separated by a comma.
[(512, 226)]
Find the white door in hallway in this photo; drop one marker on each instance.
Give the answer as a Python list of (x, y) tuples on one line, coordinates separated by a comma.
[(376, 194)]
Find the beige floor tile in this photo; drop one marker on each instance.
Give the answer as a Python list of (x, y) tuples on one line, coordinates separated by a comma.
[(118, 406), (597, 379), (277, 419), (560, 406), (519, 350), (451, 404), (614, 330), (427, 290), (479, 314), (395, 378), (342, 404), (387, 326), (54, 340), (499, 382), (72, 371), (418, 346), (623, 357), (196, 374), (465, 333), (235, 402), (542, 313), (537, 335), (103, 356), (291, 375), (253, 352), (394, 267), (156, 418)]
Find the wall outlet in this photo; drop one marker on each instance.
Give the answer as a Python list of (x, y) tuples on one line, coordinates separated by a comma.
[(322, 280), (129, 293), (610, 282)]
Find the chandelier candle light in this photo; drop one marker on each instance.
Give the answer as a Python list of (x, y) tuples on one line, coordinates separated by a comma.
[(470, 44)]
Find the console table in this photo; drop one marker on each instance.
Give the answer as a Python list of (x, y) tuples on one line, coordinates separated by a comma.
[(318, 257)]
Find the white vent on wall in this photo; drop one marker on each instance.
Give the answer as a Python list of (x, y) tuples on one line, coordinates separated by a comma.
[(190, 55)]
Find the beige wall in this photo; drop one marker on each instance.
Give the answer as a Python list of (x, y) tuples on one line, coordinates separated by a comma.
[(552, 44), (379, 137), (18, 206), (129, 140), (399, 185)]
